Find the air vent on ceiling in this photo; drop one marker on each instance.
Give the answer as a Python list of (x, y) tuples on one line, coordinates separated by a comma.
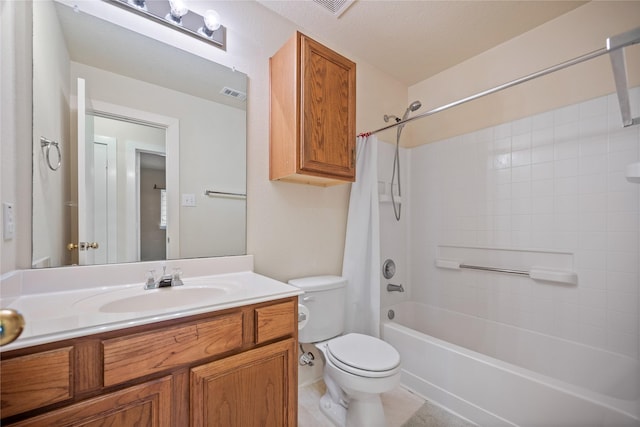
[(336, 7), (233, 93)]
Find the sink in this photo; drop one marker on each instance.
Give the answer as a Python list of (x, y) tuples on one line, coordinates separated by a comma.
[(137, 300), (158, 299)]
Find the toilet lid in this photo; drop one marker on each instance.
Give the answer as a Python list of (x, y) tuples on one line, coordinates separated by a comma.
[(363, 354)]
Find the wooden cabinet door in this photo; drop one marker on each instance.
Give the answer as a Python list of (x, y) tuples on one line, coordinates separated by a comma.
[(255, 388), (327, 113), (147, 404)]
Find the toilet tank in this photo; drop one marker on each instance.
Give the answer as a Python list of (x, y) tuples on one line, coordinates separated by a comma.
[(324, 296)]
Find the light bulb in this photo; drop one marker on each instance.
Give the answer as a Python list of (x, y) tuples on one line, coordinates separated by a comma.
[(211, 20), (178, 8), (140, 4)]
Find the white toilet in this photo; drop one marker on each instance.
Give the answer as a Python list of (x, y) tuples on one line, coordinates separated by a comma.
[(357, 367)]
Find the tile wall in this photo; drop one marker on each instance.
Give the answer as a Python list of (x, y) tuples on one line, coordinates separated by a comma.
[(553, 181)]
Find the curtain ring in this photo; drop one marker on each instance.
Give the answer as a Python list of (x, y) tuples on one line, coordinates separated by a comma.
[(44, 142)]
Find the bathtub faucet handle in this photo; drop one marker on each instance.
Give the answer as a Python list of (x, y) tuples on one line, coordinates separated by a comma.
[(394, 288)]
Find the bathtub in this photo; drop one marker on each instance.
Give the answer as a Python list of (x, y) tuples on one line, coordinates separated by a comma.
[(497, 375)]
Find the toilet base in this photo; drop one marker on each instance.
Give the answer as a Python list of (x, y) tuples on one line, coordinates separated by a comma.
[(366, 411), (334, 411)]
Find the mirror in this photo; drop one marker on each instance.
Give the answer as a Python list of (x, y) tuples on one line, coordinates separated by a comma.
[(152, 146)]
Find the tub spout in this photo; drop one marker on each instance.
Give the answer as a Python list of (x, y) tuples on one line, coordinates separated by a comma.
[(394, 288)]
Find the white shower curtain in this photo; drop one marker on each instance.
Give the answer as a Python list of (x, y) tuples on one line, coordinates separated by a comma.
[(361, 262)]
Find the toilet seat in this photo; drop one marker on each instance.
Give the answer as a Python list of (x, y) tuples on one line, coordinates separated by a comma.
[(363, 355)]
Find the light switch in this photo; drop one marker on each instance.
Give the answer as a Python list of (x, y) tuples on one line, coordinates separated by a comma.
[(188, 199), (8, 221)]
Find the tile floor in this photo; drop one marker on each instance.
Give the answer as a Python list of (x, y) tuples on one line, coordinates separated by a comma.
[(399, 405)]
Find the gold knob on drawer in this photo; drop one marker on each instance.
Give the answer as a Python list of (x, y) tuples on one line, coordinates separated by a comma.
[(11, 325)]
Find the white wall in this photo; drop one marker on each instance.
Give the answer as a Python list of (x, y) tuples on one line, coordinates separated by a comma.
[(15, 129), (555, 182), (50, 188)]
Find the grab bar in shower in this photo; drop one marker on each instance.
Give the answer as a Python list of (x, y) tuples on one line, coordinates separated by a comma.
[(536, 273)]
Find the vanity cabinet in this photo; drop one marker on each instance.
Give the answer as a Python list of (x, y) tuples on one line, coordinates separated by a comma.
[(312, 114), (235, 367)]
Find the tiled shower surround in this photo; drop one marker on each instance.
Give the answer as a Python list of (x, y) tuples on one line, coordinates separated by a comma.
[(553, 182)]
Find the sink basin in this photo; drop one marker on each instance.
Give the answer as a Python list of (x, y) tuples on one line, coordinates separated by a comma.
[(158, 299), (138, 300)]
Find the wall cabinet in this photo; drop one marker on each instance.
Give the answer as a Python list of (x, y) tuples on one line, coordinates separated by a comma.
[(235, 367), (312, 114)]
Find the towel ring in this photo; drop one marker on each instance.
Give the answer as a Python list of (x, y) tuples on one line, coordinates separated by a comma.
[(44, 142)]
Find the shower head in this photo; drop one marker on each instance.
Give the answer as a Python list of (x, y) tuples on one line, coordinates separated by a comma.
[(415, 105), (412, 107)]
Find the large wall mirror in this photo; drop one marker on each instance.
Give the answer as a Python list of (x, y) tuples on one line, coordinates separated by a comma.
[(139, 148)]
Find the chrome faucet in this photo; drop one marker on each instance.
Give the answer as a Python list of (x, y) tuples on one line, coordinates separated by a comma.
[(394, 288), (165, 281)]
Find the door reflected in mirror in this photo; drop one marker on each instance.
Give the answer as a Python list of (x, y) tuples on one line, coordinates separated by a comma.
[(151, 135)]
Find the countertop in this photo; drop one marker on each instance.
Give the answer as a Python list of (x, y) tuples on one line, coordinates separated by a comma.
[(55, 316)]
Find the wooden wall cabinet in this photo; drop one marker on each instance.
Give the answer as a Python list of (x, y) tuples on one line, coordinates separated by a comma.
[(235, 367), (312, 115)]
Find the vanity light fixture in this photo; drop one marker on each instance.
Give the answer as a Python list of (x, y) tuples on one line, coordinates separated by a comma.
[(177, 15)]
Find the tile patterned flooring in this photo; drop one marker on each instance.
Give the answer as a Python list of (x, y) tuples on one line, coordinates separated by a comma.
[(399, 405)]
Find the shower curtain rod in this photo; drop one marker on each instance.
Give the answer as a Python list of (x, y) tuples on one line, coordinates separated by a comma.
[(614, 46)]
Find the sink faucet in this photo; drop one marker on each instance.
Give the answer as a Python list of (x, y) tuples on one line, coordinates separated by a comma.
[(165, 281), (394, 288)]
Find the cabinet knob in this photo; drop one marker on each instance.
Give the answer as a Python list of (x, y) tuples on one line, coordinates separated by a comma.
[(11, 325)]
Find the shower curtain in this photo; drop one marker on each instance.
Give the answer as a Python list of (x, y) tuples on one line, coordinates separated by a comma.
[(361, 262)]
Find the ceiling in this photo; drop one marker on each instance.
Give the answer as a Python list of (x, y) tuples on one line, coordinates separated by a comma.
[(414, 40)]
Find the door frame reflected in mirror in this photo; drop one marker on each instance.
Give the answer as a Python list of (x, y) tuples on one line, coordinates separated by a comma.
[(171, 126)]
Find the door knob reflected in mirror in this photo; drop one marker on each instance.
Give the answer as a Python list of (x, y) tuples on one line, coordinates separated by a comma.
[(83, 246)]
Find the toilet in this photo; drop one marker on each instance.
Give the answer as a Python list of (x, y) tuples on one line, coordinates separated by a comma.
[(357, 367)]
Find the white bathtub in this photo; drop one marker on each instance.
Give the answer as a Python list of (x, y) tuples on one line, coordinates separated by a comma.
[(497, 375)]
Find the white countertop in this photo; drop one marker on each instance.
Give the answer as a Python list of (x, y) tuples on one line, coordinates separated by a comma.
[(55, 316)]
